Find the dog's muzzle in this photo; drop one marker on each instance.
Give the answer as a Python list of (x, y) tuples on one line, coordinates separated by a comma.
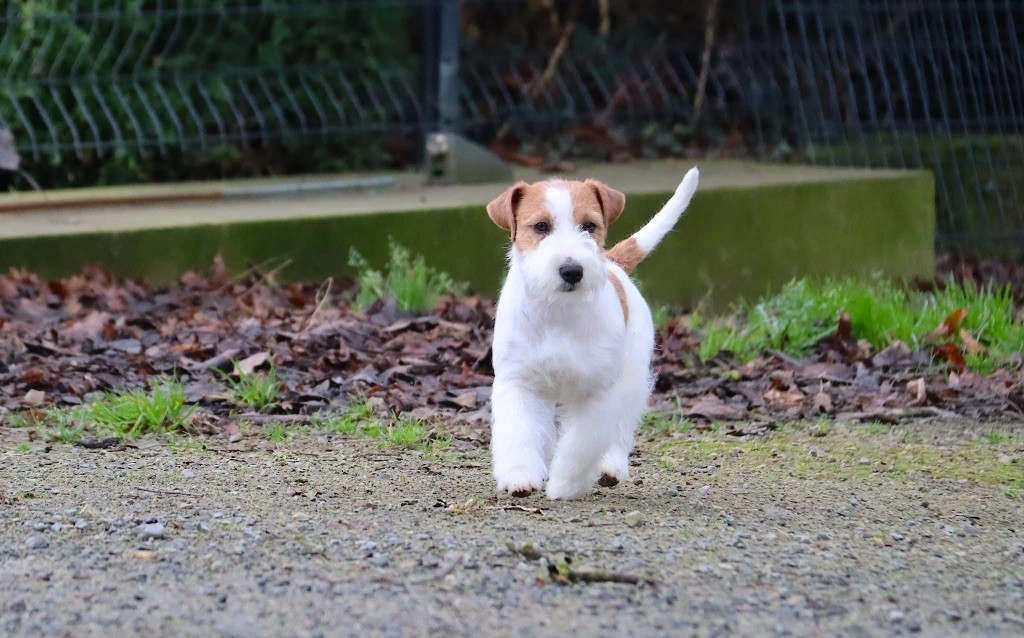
[(571, 273)]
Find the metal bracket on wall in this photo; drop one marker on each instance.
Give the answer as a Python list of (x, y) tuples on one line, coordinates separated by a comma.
[(452, 159)]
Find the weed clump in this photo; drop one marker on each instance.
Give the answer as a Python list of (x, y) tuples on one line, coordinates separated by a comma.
[(406, 278), (804, 312)]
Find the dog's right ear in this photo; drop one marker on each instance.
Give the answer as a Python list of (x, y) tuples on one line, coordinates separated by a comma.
[(502, 210)]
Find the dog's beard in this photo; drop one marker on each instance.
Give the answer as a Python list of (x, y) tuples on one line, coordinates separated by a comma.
[(540, 267)]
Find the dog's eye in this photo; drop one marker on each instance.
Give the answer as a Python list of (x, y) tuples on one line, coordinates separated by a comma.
[(589, 227), (542, 227)]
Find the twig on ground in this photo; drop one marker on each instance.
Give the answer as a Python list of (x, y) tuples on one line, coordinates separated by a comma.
[(166, 492), (785, 358), (568, 576), (259, 419), (520, 508), (323, 297)]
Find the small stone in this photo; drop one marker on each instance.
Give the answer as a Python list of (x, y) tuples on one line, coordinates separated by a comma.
[(634, 519), (379, 559), (913, 622), (864, 460), (854, 501), (36, 542), (56, 527), (152, 530), (81, 523), (188, 473), (896, 617), (804, 538), (1005, 459), (429, 560), (953, 615), (970, 529), (88, 512), (705, 490), (367, 546), (896, 536)]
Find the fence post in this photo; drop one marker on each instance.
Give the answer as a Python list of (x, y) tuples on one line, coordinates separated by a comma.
[(448, 66)]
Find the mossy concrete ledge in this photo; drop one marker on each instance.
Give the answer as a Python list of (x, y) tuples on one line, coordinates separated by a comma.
[(750, 228)]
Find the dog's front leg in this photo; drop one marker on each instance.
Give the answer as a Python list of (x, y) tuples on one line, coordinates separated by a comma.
[(588, 430), (521, 435)]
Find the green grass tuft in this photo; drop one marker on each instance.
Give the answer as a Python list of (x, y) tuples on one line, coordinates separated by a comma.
[(663, 425), (407, 279), (132, 414), (360, 419), (406, 434), (278, 432), (256, 390), (804, 312), (996, 437)]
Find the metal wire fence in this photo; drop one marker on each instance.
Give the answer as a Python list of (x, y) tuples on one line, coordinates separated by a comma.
[(882, 83)]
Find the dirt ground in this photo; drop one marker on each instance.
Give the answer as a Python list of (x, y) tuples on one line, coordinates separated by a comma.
[(812, 531)]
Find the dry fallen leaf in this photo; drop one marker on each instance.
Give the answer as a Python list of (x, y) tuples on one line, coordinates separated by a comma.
[(916, 389), (971, 345), (952, 354), (248, 365), (949, 326), (822, 402), (34, 398), (711, 407)]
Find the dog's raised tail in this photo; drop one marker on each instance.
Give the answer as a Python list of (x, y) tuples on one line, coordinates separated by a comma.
[(630, 252)]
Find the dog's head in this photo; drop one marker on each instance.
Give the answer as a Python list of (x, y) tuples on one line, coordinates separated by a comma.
[(558, 229)]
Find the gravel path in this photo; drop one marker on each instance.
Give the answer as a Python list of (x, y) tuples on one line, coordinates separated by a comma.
[(793, 534)]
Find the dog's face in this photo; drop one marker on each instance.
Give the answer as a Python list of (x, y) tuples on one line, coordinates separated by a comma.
[(558, 231)]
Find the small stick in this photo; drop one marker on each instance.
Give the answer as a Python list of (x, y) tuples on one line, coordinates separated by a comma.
[(166, 492), (323, 296), (259, 419)]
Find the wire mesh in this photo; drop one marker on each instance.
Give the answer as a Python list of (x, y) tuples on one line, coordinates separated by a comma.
[(881, 83), (906, 84), (100, 75)]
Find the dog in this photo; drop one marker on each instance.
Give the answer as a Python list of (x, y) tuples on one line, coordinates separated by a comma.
[(573, 337)]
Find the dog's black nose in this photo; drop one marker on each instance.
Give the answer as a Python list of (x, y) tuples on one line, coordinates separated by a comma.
[(570, 272)]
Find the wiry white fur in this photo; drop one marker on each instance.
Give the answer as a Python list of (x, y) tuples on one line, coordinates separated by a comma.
[(568, 357), (655, 230)]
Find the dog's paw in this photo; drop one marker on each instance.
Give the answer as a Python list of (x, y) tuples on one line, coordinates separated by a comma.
[(614, 469), (519, 481), (560, 489)]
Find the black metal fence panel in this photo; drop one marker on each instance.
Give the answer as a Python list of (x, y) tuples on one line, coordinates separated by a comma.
[(937, 84)]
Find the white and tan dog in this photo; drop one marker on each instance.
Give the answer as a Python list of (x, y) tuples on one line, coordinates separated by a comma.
[(573, 338)]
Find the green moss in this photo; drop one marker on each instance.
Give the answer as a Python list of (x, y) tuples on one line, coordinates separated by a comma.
[(846, 456)]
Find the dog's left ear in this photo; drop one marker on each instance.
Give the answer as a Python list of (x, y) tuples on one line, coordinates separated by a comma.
[(502, 209), (612, 201)]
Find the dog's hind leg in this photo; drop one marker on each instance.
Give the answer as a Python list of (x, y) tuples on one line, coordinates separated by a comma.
[(521, 435), (587, 433)]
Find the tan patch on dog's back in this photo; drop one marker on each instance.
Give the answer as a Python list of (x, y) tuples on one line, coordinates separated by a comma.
[(620, 292), (627, 254)]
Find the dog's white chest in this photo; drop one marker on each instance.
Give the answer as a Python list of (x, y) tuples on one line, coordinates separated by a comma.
[(562, 365)]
